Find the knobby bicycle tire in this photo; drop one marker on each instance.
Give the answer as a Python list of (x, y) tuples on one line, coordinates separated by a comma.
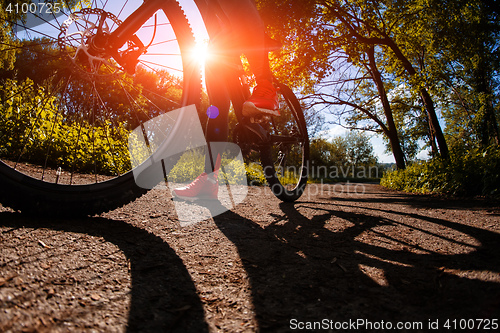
[(295, 190), (34, 196)]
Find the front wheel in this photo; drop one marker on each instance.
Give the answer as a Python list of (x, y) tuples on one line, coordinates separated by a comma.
[(67, 107), (285, 158)]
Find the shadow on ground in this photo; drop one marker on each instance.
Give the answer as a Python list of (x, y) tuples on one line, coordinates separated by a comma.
[(301, 270), (163, 297), (386, 258)]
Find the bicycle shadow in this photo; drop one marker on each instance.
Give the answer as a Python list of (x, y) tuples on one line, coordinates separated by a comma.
[(301, 270), (163, 296)]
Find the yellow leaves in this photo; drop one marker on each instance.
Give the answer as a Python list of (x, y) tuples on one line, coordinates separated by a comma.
[(40, 128)]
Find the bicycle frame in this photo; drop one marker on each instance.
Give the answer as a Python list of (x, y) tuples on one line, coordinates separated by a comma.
[(126, 32), (133, 22)]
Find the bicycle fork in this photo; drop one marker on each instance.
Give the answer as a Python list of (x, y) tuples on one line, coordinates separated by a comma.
[(125, 33)]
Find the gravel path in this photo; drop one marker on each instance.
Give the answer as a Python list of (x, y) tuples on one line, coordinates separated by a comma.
[(342, 255)]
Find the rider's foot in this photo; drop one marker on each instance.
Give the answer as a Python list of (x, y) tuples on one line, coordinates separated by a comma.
[(264, 101), (204, 187)]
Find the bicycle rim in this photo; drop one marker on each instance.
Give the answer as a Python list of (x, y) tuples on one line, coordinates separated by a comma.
[(67, 110), (286, 157)]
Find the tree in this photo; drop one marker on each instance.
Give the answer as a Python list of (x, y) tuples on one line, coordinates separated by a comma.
[(359, 150), (342, 156), (383, 25), (336, 67), (319, 151), (465, 34), (413, 127), (8, 45), (384, 41)]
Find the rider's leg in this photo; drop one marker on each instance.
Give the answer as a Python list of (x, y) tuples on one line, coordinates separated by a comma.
[(216, 79), (249, 30), (206, 186)]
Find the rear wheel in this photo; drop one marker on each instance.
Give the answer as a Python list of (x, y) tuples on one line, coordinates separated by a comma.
[(67, 107), (285, 158)]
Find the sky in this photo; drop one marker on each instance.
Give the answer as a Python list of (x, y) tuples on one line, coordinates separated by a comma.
[(188, 6), (376, 140)]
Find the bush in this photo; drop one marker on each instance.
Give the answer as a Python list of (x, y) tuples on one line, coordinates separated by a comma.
[(192, 164), (41, 135), (469, 172), (255, 174)]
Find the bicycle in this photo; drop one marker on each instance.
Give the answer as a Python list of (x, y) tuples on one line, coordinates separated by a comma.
[(83, 81)]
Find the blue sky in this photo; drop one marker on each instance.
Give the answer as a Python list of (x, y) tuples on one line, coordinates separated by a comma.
[(376, 140)]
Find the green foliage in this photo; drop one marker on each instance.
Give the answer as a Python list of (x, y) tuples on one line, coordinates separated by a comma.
[(41, 136), (7, 43), (469, 172), (343, 157), (234, 171), (51, 115), (255, 174), (359, 149), (297, 64), (192, 163)]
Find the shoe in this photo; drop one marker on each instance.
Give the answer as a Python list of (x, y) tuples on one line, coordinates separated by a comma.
[(204, 187), (264, 101)]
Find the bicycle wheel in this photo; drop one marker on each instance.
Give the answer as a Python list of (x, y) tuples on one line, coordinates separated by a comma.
[(285, 159), (67, 107)]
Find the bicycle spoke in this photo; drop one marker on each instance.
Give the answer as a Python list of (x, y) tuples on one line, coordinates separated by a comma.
[(148, 63), (33, 30), (106, 114), (163, 54), (30, 137), (157, 25), (120, 13), (49, 139), (164, 42), (288, 149)]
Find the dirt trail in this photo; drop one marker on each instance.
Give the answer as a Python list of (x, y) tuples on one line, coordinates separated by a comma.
[(340, 254)]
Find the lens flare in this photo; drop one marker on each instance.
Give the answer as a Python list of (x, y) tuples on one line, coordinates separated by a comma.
[(200, 52)]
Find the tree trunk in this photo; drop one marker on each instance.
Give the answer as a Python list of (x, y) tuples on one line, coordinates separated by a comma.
[(426, 99), (397, 152), (434, 122), (386, 40), (432, 139), (391, 131)]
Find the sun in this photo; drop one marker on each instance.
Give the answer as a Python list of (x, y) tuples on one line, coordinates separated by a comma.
[(200, 52)]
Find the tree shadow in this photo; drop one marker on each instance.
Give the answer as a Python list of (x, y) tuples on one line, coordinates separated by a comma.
[(388, 196), (163, 296), (320, 267)]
